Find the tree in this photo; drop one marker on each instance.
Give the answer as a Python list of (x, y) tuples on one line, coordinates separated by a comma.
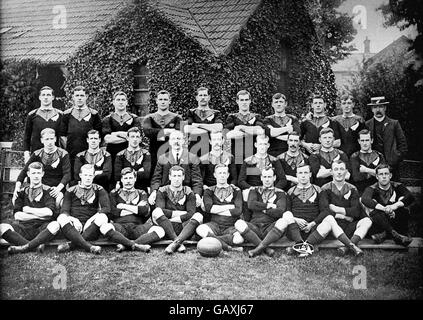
[(335, 29)]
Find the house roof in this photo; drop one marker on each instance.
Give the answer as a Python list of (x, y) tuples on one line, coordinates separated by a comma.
[(352, 63), (214, 24), (29, 28), (398, 48)]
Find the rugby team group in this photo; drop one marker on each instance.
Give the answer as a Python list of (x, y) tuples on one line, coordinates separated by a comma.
[(86, 177)]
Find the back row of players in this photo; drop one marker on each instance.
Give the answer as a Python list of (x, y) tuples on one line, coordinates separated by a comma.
[(268, 148)]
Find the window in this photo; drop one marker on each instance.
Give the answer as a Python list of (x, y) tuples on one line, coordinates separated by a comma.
[(141, 90), (282, 75)]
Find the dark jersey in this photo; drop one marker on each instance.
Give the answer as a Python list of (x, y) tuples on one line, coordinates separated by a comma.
[(243, 148), (310, 129), (101, 160), (56, 167), (132, 197), (374, 195), (325, 159), (259, 198), (223, 196), (140, 161), (370, 160), (82, 203), (200, 142), (250, 174), (347, 198), (209, 162), (349, 127), (306, 203), (153, 125), (36, 198), (291, 163), (75, 126), (36, 121), (277, 146), (181, 200), (113, 123)]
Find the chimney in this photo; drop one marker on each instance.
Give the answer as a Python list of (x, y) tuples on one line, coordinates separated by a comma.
[(366, 46)]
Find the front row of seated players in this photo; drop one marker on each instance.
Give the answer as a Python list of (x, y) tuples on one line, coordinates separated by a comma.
[(222, 206), (314, 212)]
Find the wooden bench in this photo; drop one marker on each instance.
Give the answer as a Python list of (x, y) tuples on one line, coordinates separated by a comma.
[(415, 246)]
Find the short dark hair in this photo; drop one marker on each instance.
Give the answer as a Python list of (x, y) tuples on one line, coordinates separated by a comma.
[(278, 95), (339, 161), (202, 89), (127, 170), (326, 130), (119, 93), (346, 96), (133, 129), (293, 133), (304, 165), (176, 168), (241, 93), (36, 165), (267, 168), (93, 131), (383, 166), (365, 131), (317, 95), (47, 88), (79, 88), (163, 92)]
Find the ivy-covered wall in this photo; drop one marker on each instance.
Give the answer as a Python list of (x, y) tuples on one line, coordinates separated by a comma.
[(18, 96), (179, 64)]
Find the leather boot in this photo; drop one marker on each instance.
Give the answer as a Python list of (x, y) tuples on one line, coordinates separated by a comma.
[(400, 239)]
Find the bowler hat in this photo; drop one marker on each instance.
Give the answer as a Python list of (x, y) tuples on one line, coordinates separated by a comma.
[(377, 101)]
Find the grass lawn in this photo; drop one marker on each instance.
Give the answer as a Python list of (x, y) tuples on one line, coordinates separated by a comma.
[(129, 275)]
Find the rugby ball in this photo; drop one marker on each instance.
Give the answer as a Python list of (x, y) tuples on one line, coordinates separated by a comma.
[(209, 247)]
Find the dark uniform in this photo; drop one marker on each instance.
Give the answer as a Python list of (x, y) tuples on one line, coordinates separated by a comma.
[(243, 148), (349, 127), (36, 121), (291, 163), (56, 167), (368, 159), (209, 162), (140, 161), (310, 129), (277, 146), (325, 159), (152, 126), (101, 160), (200, 142)]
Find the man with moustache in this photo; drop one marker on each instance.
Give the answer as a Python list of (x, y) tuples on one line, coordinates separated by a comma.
[(349, 126), (279, 125), (292, 158), (131, 227), (159, 125), (310, 128), (388, 136), (201, 122), (46, 116), (364, 162)]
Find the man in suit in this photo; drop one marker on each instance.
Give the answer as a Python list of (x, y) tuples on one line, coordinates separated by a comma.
[(388, 136)]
